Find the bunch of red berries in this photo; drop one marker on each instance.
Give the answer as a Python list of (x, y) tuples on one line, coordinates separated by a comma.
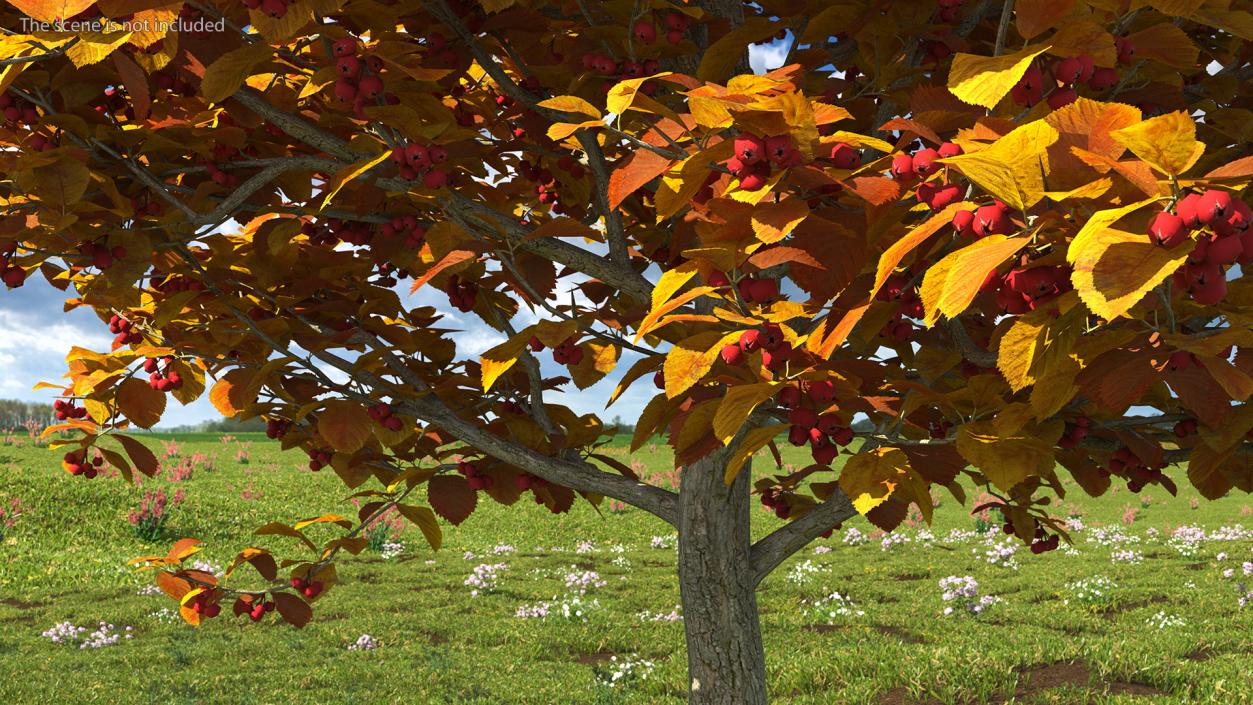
[(65, 410), (381, 413), (125, 331), (76, 463), (161, 375)]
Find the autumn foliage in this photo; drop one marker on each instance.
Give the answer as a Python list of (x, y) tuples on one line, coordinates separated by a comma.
[(958, 243)]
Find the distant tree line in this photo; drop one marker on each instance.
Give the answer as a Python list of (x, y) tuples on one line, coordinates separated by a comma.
[(14, 413)]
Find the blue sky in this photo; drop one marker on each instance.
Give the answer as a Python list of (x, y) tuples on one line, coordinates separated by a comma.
[(36, 333)]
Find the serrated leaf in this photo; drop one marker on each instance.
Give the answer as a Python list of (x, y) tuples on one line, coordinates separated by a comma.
[(774, 221), (1014, 167), (985, 80), (1114, 270), (1167, 142), (451, 497), (345, 425), (142, 404), (571, 104), (952, 283), (226, 75), (736, 406)]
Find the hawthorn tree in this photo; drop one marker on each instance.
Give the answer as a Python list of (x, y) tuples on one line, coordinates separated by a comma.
[(986, 231)]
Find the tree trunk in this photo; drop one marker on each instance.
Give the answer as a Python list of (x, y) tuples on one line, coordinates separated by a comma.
[(725, 660)]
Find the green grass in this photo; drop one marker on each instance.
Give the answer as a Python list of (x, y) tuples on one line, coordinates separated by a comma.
[(64, 560)]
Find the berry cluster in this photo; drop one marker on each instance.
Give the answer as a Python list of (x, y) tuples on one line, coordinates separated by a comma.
[(334, 231), (256, 608), (463, 295), (11, 274), (309, 588), (102, 256), (547, 185), (985, 220), (206, 604), (422, 161), (1229, 240), (474, 478), (1138, 473), (1066, 75), (318, 458), (758, 290), (381, 413), (775, 499), (66, 410), (775, 351), (18, 111), (824, 432), (125, 331), (173, 284), (162, 379), (76, 463), (568, 352), (407, 227), (1075, 432), (901, 288), (277, 428), (1024, 289), (922, 163), (756, 157), (1185, 428), (41, 143)]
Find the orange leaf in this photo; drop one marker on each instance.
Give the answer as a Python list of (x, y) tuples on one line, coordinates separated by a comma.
[(1033, 17), (182, 549), (234, 392), (896, 252), (142, 404), (642, 167), (51, 10), (774, 221), (454, 257), (345, 425)]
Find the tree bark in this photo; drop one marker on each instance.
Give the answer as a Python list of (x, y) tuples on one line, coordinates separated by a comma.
[(726, 661)]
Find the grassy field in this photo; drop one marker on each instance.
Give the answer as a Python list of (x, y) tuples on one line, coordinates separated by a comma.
[(1168, 628)]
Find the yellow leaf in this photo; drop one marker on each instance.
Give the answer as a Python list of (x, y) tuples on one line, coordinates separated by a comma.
[(952, 283), (571, 104), (142, 404), (1167, 142), (1035, 339), (1012, 168), (896, 252), (94, 47), (1008, 459), (754, 441), (722, 57), (225, 76), (349, 173), (345, 425), (1115, 269), (425, 520), (51, 10), (649, 421), (599, 359), (689, 360), (774, 221), (736, 406), (667, 286), (324, 519), (984, 80), (500, 359), (653, 320), (558, 131), (1098, 222), (869, 478)]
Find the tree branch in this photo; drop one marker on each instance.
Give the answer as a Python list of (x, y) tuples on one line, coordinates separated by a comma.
[(769, 552)]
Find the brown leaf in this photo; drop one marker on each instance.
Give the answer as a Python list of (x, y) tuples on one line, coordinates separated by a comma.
[(294, 610), (451, 497)]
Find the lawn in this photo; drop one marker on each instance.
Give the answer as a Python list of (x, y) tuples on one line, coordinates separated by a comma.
[(1158, 620)]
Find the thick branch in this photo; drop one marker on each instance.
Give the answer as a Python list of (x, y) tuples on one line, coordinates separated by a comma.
[(769, 552)]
